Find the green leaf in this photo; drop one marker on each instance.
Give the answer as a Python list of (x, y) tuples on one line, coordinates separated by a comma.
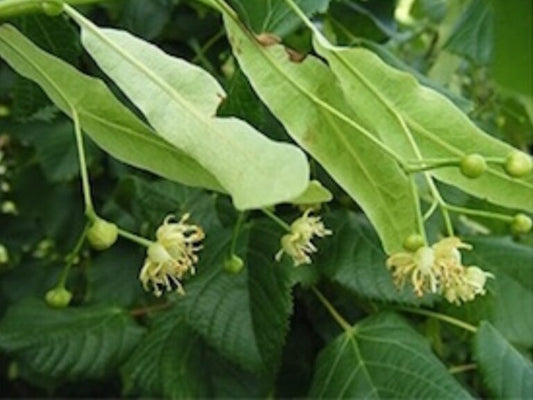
[(55, 149), (513, 36), (472, 37), (274, 16), (111, 125), (353, 258), (314, 194), (180, 101), (169, 362), (244, 316), (396, 108), (314, 112), (146, 18), (510, 290), (507, 373), (382, 357), (72, 343)]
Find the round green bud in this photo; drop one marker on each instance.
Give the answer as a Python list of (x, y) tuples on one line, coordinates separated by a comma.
[(234, 264), (518, 164), (4, 255), (102, 234), (521, 224), (473, 166), (58, 297), (4, 111), (52, 8), (413, 242)]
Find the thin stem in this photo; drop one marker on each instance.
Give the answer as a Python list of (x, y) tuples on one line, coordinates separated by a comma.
[(71, 257), (419, 218), (479, 213), (86, 187), (201, 51), (134, 238), (443, 317), (276, 219), (334, 313), (236, 231), (462, 368), (431, 210), (430, 166)]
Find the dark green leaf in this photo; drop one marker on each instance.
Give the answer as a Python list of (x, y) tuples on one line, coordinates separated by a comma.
[(71, 343), (169, 362), (472, 37), (507, 372), (382, 357), (245, 315), (146, 18)]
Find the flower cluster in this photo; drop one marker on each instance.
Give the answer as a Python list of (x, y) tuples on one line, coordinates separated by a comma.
[(172, 256), (297, 244), (439, 269)]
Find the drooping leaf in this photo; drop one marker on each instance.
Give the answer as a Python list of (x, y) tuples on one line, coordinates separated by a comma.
[(382, 357), (509, 291), (70, 343), (180, 101), (274, 16), (506, 372), (111, 125), (411, 119), (244, 316), (314, 112), (353, 258), (169, 362)]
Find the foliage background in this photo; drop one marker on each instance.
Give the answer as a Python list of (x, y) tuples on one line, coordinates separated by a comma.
[(261, 332)]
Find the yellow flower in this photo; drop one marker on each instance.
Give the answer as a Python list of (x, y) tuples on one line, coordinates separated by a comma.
[(297, 244), (172, 256), (418, 268), (439, 269)]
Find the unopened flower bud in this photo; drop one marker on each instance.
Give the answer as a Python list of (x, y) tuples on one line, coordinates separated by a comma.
[(58, 297), (518, 164), (473, 166), (413, 242), (102, 234), (234, 264), (521, 224), (4, 255)]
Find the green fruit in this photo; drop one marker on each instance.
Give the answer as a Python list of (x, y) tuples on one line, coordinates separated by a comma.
[(518, 164), (521, 224), (234, 264), (473, 166), (52, 8), (413, 242), (102, 234), (58, 297)]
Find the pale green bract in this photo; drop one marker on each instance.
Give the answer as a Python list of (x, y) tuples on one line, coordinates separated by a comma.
[(110, 124), (180, 101), (313, 110), (393, 105)]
